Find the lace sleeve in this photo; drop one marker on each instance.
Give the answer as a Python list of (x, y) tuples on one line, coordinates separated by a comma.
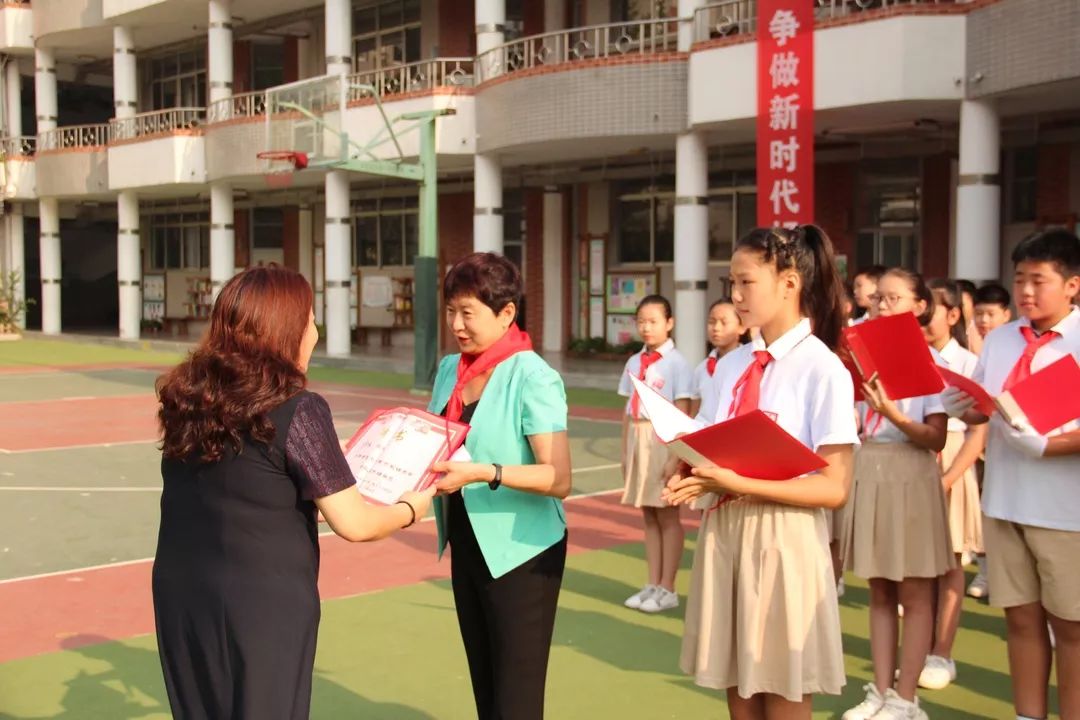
[(312, 451)]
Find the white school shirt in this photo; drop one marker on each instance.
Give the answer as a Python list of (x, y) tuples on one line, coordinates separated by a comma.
[(670, 376), (805, 388), (916, 408), (701, 379), (1043, 492), (960, 360)]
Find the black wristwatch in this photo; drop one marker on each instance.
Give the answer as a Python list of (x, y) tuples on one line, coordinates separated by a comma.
[(494, 484)]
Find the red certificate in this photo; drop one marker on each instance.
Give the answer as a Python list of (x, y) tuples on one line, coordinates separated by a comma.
[(392, 453), (894, 349)]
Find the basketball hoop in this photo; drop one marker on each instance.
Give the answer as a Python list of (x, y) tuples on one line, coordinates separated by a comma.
[(281, 166)]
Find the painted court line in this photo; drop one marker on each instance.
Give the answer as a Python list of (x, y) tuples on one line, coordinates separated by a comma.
[(324, 533), (30, 488), (80, 447)]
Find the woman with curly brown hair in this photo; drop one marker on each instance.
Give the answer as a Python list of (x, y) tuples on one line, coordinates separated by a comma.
[(248, 456)]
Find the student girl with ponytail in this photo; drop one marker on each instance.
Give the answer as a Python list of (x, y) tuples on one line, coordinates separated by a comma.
[(762, 621)]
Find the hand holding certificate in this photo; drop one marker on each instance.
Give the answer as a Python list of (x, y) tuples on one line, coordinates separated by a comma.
[(393, 452)]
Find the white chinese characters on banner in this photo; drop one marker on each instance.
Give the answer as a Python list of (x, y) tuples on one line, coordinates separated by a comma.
[(785, 127)]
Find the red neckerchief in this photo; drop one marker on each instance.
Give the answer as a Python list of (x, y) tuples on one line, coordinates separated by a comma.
[(710, 363), (473, 366), (1022, 369), (648, 358)]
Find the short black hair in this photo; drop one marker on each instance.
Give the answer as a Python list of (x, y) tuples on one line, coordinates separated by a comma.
[(490, 278), (655, 300), (874, 272), (1056, 246), (993, 294), (966, 286)]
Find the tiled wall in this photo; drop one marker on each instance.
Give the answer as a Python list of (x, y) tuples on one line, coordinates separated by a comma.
[(1014, 43), (599, 98)]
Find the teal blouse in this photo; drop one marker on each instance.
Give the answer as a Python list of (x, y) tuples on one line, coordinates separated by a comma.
[(524, 397)]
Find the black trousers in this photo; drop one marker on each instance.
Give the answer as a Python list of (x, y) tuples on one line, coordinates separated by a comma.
[(506, 623)]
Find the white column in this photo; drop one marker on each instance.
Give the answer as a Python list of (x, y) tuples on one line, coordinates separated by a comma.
[(125, 79), (490, 28), (691, 243), (222, 235), (978, 193), (16, 260), (13, 89), (554, 293), (128, 271), (338, 263), (487, 204), (49, 208), (307, 237), (50, 266), (338, 37), (45, 89), (219, 39)]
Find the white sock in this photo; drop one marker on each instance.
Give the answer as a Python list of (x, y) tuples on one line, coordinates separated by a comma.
[(980, 561)]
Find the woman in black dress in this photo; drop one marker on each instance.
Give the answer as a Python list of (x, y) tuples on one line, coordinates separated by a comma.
[(248, 456)]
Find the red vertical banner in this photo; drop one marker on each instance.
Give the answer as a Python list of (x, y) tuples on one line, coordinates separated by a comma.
[(785, 112)]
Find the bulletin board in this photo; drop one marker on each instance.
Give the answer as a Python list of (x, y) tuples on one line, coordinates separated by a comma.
[(626, 289)]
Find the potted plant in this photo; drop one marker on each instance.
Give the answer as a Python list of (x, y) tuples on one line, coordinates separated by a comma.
[(600, 349), (12, 308)]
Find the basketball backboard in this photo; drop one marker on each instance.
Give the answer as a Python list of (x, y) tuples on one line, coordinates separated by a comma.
[(306, 117)]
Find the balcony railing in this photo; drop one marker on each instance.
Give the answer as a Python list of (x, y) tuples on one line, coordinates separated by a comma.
[(244, 105), (73, 137), (18, 146), (157, 122), (739, 17), (414, 77), (627, 39)]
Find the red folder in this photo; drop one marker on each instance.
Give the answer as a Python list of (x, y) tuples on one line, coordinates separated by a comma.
[(893, 348), (1047, 399), (751, 445), (984, 403)]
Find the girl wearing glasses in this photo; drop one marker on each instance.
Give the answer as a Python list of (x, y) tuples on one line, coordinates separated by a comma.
[(896, 531)]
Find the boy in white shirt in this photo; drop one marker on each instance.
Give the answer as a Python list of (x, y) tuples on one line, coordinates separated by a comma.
[(1031, 492)]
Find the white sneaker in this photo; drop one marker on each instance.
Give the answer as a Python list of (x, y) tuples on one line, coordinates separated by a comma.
[(634, 601), (897, 708), (659, 601), (938, 673), (869, 707), (979, 587)]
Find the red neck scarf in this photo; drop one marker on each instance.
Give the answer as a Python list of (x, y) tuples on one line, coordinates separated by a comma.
[(473, 366), (750, 384), (648, 358), (1022, 369), (710, 363)]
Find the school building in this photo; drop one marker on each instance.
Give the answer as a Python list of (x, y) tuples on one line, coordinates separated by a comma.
[(606, 146)]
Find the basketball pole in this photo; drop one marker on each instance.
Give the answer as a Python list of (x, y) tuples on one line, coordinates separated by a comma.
[(426, 280)]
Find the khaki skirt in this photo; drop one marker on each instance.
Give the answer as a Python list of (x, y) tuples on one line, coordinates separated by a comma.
[(762, 614), (895, 523), (965, 513), (644, 463)]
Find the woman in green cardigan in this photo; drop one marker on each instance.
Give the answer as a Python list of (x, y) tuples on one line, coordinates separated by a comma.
[(502, 512)]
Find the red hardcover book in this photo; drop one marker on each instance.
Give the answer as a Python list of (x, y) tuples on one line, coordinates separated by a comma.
[(751, 445), (894, 349), (984, 403), (392, 453), (1047, 399)]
